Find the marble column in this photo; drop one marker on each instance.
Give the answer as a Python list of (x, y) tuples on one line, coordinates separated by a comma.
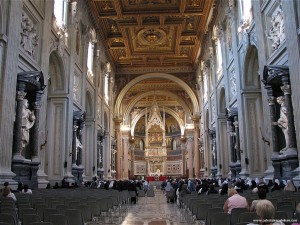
[(74, 150), (189, 148), (81, 128), (273, 119), (125, 156), (196, 152), (286, 88), (230, 137), (37, 108), (18, 122), (119, 153), (237, 139), (132, 148), (183, 150), (196, 147)]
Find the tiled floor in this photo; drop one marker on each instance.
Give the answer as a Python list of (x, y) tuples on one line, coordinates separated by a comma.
[(153, 211)]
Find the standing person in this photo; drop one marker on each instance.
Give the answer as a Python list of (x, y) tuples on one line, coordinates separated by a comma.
[(169, 192), (145, 186), (184, 191), (234, 201)]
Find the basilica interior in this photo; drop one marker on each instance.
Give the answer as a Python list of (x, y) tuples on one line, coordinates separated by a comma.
[(148, 89)]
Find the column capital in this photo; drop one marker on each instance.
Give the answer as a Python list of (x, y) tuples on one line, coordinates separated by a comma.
[(118, 120), (286, 88), (21, 95), (271, 100)]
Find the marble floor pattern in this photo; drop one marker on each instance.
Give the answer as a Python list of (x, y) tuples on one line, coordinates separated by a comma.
[(153, 211)]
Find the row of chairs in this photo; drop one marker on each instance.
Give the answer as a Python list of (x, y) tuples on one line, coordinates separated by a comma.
[(60, 207), (200, 207)]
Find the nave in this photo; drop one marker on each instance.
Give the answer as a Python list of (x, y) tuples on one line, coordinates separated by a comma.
[(154, 211), (78, 206)]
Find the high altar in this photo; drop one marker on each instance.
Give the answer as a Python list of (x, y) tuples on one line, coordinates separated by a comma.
[(155, 145)]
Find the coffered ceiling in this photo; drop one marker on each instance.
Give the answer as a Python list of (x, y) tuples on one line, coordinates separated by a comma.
[(152, 34)]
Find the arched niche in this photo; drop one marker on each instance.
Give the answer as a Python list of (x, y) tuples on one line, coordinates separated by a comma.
[(251, 78), (57, 81), (89, 105), (105, 122), (222, 102), (252, 118), (189, 91)]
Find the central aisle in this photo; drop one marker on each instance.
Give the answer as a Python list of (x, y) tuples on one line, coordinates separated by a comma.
[(153, 211)]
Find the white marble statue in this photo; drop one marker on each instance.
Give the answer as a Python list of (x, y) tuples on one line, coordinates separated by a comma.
[(283, 120), (28, 119)]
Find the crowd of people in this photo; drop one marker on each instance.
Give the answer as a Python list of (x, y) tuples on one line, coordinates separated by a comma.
[(176, 189)]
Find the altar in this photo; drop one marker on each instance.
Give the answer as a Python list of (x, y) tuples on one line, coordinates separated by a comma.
[(156, 178)]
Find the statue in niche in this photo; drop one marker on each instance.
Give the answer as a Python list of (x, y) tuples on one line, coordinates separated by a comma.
[(78, 145), (28, 119), (283, 120), (172, 128)]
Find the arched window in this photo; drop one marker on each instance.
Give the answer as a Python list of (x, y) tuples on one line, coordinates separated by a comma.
[(219, 58), (90, 59), (106, 87), (60, 12), (106, 82), (245, 8)]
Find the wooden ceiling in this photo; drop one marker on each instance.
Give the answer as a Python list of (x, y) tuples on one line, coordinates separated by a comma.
[(152, 34)]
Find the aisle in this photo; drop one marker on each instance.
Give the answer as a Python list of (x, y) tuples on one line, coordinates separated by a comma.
[(153, 211)]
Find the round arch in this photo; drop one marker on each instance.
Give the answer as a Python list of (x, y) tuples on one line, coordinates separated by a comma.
[(250, 81), (167, 110), (143, 95), (89, 105), (57, 74), (189, 91), (222, 101)]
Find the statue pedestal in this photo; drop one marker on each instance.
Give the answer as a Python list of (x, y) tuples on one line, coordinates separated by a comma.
[(233, 170), (202, 172), (42, 179), (77, 172), (269, 173), (285, 163), (214, 171), (26, 172), (8, 176), (238, 168)]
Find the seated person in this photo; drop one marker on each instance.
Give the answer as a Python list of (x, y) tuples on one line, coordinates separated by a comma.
[(234, 201), (6, 192), (26, 190), (262, 194), (266, 213)]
